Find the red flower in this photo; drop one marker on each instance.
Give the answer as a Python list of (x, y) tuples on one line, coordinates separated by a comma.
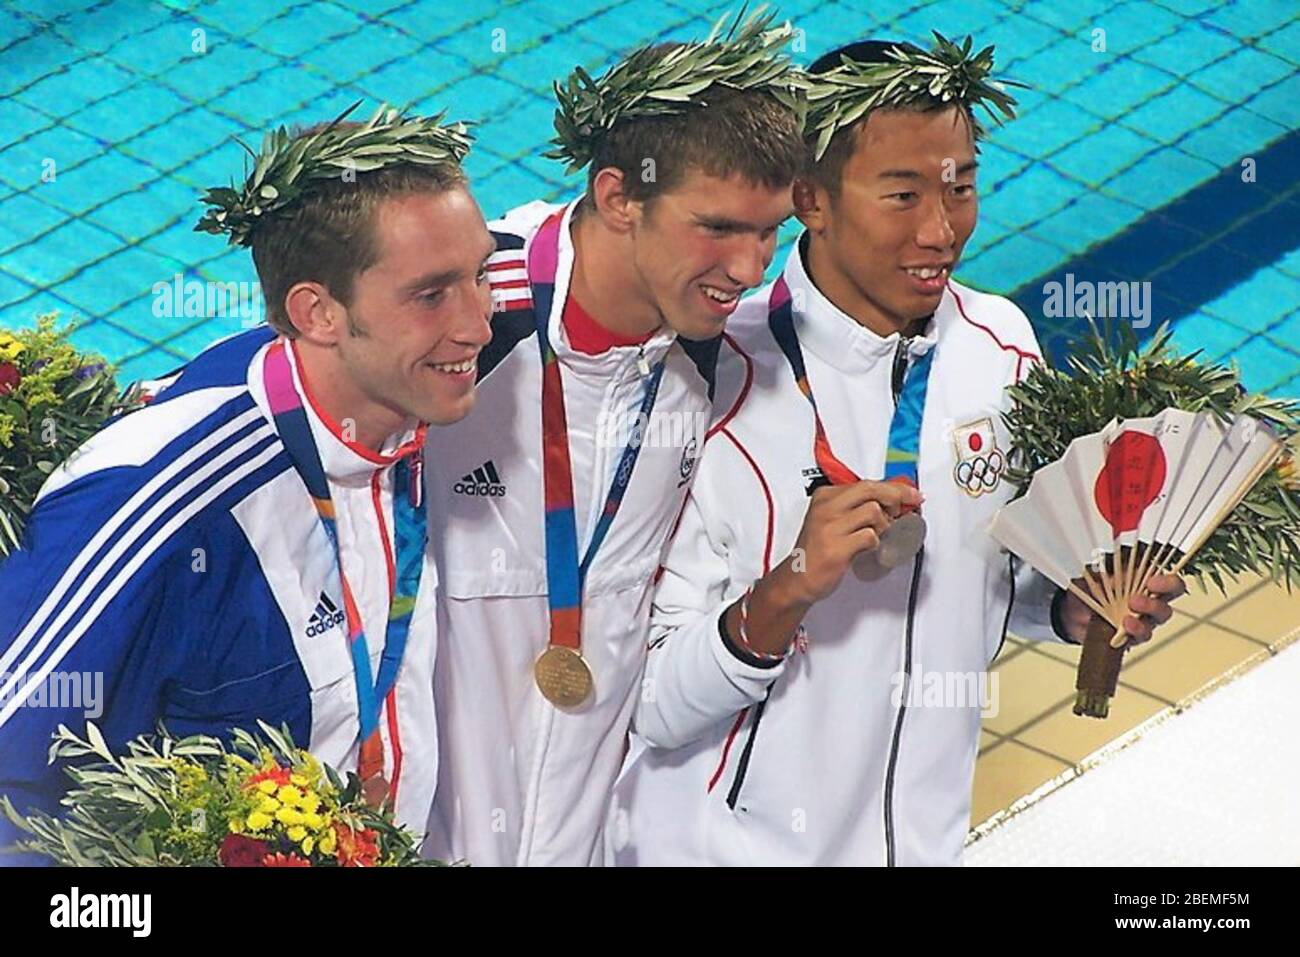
[(285, 860), (277, 774), (240, 851), (355, 848), (9, 377)]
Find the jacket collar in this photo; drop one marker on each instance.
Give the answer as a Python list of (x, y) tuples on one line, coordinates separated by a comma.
[(346, 462), (836, 337), (611, 360)]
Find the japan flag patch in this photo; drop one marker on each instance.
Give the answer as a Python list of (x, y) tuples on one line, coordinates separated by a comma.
[(980, 463)]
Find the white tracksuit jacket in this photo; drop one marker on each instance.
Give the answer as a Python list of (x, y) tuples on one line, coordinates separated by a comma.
[(523, 782), (823, 759)]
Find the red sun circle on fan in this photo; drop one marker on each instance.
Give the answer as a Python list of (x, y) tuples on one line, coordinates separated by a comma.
[(975, 442), (1130, 480)]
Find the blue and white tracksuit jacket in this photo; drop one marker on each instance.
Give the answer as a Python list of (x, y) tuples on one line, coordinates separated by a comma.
[(177, 561)]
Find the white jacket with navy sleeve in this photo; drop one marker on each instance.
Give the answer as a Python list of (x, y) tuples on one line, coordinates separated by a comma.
[(843, 753)]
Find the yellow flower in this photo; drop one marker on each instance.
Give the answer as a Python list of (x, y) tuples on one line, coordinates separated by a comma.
[(287, 815), (328, 843), (269, 805), (310, 803), (307, 844), (299, 780), (313, 820), (257, 821), (266, 786), (236, 826), (297, 833), (311, 769)]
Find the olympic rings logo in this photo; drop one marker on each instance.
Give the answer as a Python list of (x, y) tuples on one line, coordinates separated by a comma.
[(980, 473)]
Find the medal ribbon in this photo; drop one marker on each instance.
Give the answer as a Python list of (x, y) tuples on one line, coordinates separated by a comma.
[(409, 523), (904, 427), (565, 574)]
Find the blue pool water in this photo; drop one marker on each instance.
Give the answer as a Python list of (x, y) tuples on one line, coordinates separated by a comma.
[(1171, 156)]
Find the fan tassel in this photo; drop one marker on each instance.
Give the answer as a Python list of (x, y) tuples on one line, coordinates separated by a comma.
[(1099, 665)]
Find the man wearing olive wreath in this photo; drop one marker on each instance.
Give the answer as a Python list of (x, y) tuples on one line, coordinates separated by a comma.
[(553, 501), (249, 545)]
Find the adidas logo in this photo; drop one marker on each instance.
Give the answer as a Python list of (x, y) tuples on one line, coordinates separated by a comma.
[(484, 480), (326, 616), (815, 478)]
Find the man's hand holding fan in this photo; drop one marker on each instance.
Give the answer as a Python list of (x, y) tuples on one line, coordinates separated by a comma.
[(1139, 467)]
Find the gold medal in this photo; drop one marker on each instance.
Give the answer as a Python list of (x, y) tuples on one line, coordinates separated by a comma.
[(562, 676)]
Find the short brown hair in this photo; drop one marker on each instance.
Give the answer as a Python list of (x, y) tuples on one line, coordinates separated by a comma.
[(739, 131), (328, 235)]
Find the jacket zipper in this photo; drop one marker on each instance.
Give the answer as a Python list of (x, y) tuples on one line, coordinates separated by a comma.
[(742, 766), (897, 378), (1011, 603), (899, 374), (902, 710)]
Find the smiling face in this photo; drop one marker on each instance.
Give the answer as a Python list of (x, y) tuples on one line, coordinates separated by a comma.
[(418, 316), (884, 247), (700, 245)]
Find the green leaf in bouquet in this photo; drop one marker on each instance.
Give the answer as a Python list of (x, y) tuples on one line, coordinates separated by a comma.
[(97, 743), (281, 739), (158, 819), (83, 387), (333, 777), (351, 791)]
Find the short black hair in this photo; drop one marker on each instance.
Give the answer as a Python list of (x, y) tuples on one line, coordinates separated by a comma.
[(860, 51), (828, 172)]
